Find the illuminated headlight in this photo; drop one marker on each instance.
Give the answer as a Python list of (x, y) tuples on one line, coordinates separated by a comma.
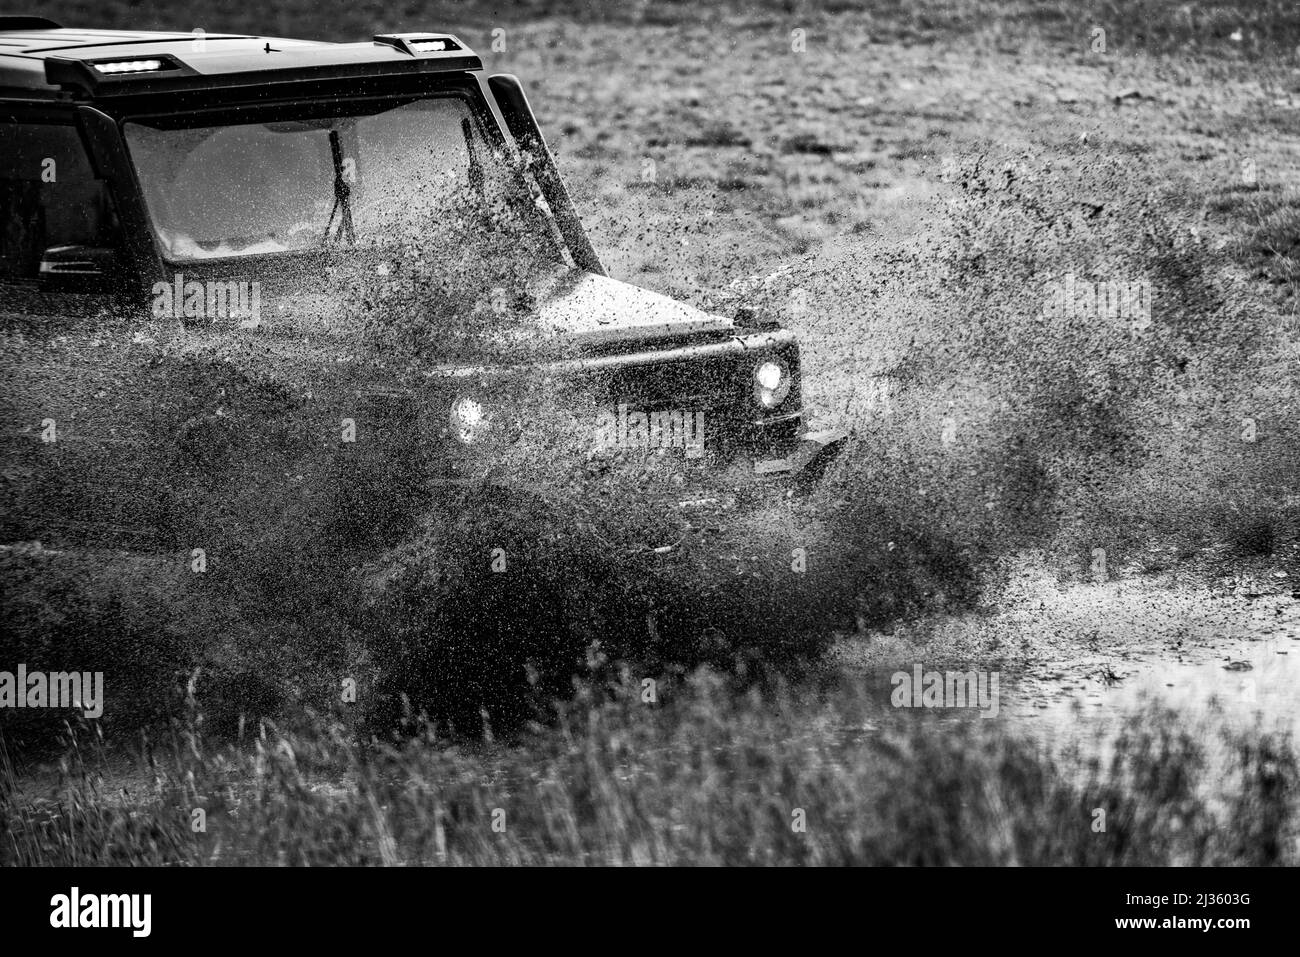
[(468, 419), (771, 383), (428, 46)]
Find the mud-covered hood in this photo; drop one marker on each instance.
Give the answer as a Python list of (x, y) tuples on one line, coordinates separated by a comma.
[(590, 310)]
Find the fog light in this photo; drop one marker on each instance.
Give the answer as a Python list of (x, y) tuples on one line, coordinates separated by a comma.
[(771, 383), (468, 419)]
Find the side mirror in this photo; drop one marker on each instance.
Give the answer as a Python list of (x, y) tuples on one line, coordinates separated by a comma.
[(80, 268)]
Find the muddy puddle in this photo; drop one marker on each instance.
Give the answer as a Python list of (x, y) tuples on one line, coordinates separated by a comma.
[(1072, 662)]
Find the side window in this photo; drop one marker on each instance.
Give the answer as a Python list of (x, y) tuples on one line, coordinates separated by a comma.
[(51, 197)]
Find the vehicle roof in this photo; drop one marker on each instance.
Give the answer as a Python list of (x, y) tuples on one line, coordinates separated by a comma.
[(40, 59)]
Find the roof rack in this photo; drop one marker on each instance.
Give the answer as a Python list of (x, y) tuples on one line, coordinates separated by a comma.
[(8, 24)]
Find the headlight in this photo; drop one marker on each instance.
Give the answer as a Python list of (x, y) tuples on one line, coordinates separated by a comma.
[(468, 419), (771, 383)]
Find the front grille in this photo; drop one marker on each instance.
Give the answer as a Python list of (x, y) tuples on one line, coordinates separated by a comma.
[(707, 385), (718, 387)]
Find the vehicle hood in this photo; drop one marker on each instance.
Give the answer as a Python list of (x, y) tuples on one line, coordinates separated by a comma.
[(590, 310)]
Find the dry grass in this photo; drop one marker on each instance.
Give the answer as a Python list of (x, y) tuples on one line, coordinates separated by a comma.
[(701, 776)]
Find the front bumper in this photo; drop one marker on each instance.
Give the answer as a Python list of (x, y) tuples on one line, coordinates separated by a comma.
[(755, 479), (808, 460), (708, 482), (797, 471)]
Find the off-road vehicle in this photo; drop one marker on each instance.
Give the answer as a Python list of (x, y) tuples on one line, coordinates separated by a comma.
[(247, 276)]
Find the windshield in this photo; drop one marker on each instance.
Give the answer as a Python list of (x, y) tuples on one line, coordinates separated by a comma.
[(379, 176)]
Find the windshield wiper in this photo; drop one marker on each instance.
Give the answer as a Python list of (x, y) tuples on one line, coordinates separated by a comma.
[(475, 164), (342, 196)]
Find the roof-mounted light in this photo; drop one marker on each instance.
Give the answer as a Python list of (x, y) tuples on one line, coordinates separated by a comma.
[(123, 73), (130, 66), (419, 44)]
